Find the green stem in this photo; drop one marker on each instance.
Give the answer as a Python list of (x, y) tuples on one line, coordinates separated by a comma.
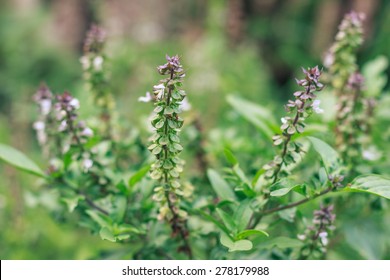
[(257, 216)]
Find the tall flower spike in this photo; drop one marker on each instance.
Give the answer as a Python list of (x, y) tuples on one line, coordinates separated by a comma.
[(352, 123), (96, 75), (166, 148), (302, 107)]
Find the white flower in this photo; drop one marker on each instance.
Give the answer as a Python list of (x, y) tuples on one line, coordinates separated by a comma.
[(75, 103), (371, 154), (283, 120), (87, 164), (329, 59), (146, 98), (185, 105), (301, 237), (45, 105), (316, 106), (63, 126), (87, 132), (85, 62), (39, 126), (324, 238), (159, 91), (98, 63)]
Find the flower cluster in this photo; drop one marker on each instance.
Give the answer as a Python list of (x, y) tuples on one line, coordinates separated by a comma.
[(43, 97), (316, 235), (66, 108), (96, 75), (166, 145), (302, 107), (341, 57)]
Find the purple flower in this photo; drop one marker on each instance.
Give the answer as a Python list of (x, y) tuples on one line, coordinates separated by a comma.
[(173, 64), (324, 216), (355, 81), (95, 39)]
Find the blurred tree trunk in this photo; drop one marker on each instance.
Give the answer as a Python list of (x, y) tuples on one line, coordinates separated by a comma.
[(369, 8), (70, 22), (235, 23), (327, 21), (142, 20)]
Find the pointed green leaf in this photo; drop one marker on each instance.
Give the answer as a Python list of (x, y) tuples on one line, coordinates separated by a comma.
[(230, 157), (243, 214), (19, 160), (220, 186), (373, 184), (245, 233), (329, 156), (227, 219), (139, 175), (259, 116), (106, 234)]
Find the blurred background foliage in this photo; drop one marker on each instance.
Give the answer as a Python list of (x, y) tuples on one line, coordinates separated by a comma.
[(248, 48)]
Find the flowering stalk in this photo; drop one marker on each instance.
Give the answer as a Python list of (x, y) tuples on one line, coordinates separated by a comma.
[(66, 108), (301, 108), (316, 235), (352, 124), (166, 147), (95, 72)]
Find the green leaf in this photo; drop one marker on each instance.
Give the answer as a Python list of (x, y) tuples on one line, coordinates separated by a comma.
[(281, 242), (72, 202), (283, 187), (240, 245), (139, 175), (213, 220), (243, 214), (106, 234), (220, 186), (329, 156), (19, 160), (98, 218), (375, 76), (245, 233), (372, 183), (259, 116), (227, 220), (119, 208), (230, 157)]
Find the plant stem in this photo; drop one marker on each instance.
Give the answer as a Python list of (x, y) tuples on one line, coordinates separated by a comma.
[(257, 216)]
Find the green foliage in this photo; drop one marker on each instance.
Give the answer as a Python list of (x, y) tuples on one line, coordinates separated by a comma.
[(372, 184), (259, 116), (328, 155), (19, 160)]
